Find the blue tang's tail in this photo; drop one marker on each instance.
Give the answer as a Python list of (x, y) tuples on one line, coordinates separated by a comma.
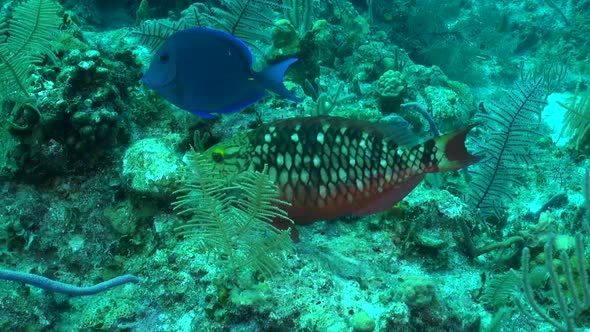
[(272, 76)]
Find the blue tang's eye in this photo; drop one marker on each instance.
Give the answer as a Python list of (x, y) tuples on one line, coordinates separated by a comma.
[(164, 58)]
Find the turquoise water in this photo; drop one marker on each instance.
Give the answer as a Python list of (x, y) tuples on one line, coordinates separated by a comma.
[(118, 215)]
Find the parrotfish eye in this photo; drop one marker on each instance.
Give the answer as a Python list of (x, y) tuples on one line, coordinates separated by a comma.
[(164, 58), (218, 156)]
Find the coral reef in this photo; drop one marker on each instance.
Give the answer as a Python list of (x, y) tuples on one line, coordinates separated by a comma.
[(101, 182)]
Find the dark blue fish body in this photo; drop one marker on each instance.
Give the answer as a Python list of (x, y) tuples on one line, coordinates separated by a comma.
[(207, 71)]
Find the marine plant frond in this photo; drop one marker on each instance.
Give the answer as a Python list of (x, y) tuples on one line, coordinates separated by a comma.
[(577, 117), (200, 177), (197, 15), (34, 25), (32, 28), (208, 224), (258, 256), (501, 288), (300, 14), (246, 19), (260, 197), (153, 33), (232, 216), (512, 130), (14, 75)]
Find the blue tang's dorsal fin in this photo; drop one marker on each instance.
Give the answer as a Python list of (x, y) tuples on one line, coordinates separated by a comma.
[(231, 40)]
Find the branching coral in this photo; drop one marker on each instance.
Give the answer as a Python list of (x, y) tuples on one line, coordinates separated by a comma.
[(573, 301)]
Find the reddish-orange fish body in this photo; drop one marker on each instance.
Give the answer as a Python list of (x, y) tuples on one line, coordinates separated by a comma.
[(329, 167)]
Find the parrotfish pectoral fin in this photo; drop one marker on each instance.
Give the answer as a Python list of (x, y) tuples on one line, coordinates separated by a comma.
[(455, 154), (203, 114), (272, 76)]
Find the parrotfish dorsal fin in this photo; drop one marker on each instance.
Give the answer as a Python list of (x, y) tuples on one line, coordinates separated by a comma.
[(397, 130)]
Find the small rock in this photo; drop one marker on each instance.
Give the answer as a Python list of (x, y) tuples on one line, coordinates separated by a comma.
[(152, 167), (362, 322)]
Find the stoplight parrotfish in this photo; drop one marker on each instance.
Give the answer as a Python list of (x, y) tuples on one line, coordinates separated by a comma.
[(329, 167), (205, 71)]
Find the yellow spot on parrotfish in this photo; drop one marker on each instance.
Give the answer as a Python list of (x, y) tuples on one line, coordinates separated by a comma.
[(333, 176), (342, 174), (297, 160), (388, 174), (272, 173), (280, 160), (323, 191), (284, 177), (288, 161), (304, 176), (324, 175), (320, 138), (359, 184), (316, 161), (332, 189)]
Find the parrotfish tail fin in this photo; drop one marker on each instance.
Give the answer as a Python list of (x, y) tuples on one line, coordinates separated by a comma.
[(455, 155), (272, 79)]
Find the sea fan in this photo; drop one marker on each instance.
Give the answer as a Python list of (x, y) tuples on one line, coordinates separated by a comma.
[(511, 126), (153, 33), (245, 19)]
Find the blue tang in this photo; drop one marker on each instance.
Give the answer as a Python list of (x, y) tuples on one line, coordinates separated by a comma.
[(207, 71)]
